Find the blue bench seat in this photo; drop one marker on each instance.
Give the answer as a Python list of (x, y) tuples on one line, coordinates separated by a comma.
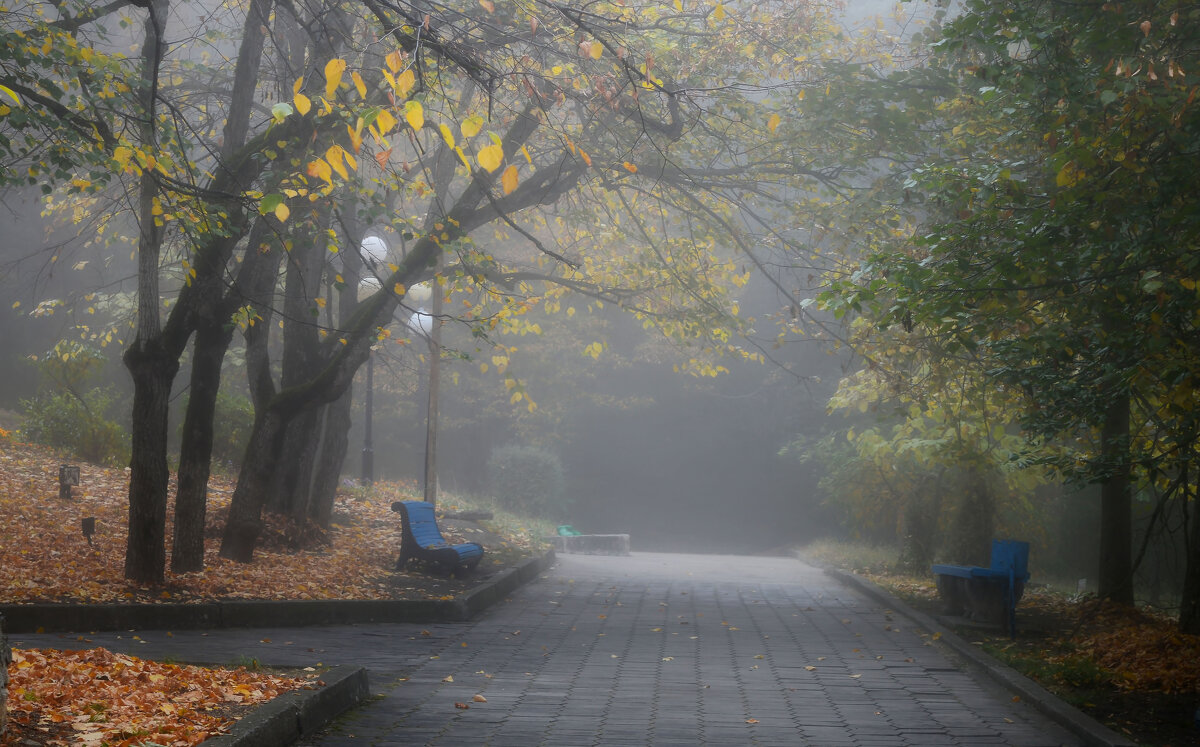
[(420, 539), (987, 594)]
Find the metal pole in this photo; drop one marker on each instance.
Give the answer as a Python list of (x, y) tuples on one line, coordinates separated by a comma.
[(431, 413), (368, 452)]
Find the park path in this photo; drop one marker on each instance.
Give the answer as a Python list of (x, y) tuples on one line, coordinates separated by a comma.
[(650, 649)]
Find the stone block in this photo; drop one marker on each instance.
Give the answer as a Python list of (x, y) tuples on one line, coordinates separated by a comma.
[(592, 544)]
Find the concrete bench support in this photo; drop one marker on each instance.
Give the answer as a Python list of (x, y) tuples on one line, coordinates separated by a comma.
[(592, 544)]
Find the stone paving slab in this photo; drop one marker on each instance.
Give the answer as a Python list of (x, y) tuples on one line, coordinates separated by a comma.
[(649, 649)]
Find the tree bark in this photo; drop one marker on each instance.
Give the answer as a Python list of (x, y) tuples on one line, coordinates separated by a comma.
[(244, 525), (1115, 580), (1189, 608), (334, 447), (153, 357), (195, 451), (152, 372), (151, 368)]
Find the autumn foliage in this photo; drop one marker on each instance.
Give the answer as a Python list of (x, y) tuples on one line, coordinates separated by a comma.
[(44, 556), (100, 697)]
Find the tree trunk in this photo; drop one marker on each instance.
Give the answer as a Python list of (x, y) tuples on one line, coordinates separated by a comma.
[(151, 368), (1116, 504), (1189, 608), (340, 359), (295, 468), (332, 455), (152, 372), (195, 452), (244, 524)]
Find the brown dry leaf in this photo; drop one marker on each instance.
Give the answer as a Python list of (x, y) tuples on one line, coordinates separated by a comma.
[(354, 559), (99, 695)]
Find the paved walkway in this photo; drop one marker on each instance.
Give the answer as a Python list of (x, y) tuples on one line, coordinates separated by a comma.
[(650, 649)]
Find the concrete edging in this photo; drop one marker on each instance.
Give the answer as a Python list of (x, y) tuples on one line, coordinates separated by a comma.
[(1091, 731), (299, 713), (75, 618)]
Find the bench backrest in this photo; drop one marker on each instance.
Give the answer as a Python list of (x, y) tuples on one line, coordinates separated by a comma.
[(421, 523), (1011, 554)]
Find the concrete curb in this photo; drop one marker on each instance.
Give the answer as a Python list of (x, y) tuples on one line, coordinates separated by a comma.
[(1091, 731), (298, 713), (68, 618)]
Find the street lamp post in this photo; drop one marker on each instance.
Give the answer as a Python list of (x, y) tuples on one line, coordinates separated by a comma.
[(374, 251), (429, 326)]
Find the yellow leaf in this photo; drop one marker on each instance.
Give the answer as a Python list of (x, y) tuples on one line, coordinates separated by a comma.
[(320, 168), (298, 84), (471, 126), (596, 51), (719, 12), (483, 368), (525, 152), (414, 114), (405, 82), (586, 158), (515, 398), (334, 157), (631, 168), (508, 179), (490, 157), (773, 122), (333, 75), (395, 60), (122, 154), (355, 136), (282, 212), (385, 122), (11, 95), (488, 5), (302, 103), (679, 6), (1069, 175), (359, 85), (447, 135)]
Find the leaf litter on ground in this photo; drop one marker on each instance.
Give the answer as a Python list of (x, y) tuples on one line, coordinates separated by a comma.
[(97, 697), (45, 557)]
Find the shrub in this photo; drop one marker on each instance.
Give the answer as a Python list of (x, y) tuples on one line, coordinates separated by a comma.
[(77, 425), (233, 419), (527, 480)]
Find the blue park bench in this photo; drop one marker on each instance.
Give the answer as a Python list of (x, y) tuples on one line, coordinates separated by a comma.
[(987, 594), (420, 539)]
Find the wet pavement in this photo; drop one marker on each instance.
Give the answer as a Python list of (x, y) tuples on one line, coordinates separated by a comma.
[(650, 649)]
